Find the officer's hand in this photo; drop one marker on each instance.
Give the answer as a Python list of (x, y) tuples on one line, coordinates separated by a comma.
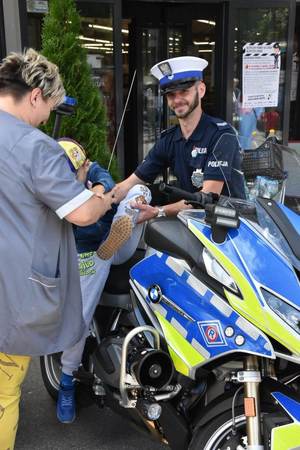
[(174, 208), (147, 212), (120, 191)]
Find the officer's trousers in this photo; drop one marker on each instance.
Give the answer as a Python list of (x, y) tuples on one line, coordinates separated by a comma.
[(13, 370)]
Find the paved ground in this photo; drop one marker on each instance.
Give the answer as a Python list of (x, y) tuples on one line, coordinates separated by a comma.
[(94, 429)]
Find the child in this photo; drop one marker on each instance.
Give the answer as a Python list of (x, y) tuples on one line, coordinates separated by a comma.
[(112, 240)]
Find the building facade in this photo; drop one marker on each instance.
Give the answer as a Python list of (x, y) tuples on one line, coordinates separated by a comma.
[(124, 38)]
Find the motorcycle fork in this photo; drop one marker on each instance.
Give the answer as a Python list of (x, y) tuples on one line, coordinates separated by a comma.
[(252, 379)]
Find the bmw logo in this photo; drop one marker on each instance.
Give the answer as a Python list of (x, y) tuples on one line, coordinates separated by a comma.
[(155, 293)]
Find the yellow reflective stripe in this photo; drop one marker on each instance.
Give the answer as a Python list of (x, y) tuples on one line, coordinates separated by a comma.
[(250, 307), (268, 323), (282, 334), (286, 437), (185, 356), (179, 364)]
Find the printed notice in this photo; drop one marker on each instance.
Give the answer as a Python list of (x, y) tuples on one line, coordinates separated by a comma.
[(261, 70)]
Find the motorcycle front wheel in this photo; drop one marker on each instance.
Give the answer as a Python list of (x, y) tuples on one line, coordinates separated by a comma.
[(51, 373), (218, 435), (51, 369)]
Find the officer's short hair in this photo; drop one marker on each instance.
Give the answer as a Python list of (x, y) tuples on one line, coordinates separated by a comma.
[(22, 72)]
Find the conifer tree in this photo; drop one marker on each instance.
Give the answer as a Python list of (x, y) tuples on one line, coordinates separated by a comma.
[(61, 45)]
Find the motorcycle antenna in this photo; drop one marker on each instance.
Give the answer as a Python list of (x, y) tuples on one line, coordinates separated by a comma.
[(121, 121)]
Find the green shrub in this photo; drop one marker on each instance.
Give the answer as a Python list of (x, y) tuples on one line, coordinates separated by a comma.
[(61, 45)]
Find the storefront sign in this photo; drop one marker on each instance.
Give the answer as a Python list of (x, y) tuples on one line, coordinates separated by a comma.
[(261, 70), (37, 6)]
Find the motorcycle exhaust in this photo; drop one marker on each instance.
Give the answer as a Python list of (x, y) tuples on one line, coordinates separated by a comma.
[(152, 368)]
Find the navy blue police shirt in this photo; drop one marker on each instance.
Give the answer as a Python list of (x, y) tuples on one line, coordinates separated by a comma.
[(212, 148)]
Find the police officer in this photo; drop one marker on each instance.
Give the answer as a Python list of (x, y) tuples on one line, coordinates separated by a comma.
[(203, 152)]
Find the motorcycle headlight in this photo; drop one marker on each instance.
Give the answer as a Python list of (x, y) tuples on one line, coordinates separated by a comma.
[(284, 310), (215, 270)]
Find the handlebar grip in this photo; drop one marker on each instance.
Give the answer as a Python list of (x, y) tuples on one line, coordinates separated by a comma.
[(199, 198), (163, 187)]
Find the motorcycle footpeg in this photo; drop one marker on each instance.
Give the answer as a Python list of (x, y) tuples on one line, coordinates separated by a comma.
[(84, 377)]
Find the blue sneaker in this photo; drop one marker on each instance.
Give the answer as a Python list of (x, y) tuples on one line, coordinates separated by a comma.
[(65, 408)]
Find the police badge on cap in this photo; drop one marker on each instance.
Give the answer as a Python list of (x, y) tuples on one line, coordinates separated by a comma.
[(178, 73)]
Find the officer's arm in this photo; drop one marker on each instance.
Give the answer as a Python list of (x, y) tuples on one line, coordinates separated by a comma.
[(173, 209), (148, 212), (215, 186), (121, 189), (147, 170), (218, 167)]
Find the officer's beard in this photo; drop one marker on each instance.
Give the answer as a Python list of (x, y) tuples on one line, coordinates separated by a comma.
[(191, 108)]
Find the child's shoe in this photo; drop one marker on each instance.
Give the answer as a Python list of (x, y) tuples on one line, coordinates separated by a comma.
[(65, 408), (120, 232)]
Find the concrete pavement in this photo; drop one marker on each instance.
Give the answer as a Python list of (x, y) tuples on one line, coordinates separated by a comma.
[(94, 429)]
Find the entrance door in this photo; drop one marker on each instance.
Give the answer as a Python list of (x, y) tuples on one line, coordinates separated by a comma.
[(161, 31)]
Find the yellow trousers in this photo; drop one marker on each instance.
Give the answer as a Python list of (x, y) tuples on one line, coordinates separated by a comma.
[(13, 369)]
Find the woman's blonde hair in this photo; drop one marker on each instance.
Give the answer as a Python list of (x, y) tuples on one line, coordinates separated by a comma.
[(21, 72)]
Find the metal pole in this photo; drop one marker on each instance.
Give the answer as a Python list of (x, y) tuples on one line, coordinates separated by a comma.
[(252, 392), (121, 121)]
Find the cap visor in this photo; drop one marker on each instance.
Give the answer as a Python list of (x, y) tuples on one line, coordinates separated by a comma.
[(178, 85)]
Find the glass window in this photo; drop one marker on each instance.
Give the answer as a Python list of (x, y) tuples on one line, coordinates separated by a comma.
[(97, 38), (204, 46), (294, 131), (257, 27), (152, 100), (126, 23), (197, 37)]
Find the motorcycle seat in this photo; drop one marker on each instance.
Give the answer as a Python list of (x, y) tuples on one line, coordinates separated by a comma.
[(118, 278), (170, 235)]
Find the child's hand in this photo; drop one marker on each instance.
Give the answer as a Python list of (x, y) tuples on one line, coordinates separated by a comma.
[(82, 171), (99, 189), (108, 199)]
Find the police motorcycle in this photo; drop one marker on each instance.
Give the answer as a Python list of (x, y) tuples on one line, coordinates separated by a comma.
[(201, 348)]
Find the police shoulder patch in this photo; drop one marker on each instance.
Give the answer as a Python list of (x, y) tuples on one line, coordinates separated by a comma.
[(222, 125), (219, 122)]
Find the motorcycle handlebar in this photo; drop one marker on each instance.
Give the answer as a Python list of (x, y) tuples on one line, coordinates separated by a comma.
[(200, 198)]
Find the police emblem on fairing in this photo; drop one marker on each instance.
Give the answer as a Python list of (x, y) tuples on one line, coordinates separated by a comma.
[(155, 293), (212, 333)]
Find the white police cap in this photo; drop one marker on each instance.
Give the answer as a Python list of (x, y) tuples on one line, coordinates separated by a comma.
[(178, 73)]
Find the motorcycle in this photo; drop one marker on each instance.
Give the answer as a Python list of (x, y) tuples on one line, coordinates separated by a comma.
[(197, 341)]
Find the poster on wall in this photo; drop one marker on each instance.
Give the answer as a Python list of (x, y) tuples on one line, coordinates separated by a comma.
[(37, 6), (261, 70)]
